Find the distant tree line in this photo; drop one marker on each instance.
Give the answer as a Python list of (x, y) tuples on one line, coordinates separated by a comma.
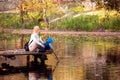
[(109, 4), (113, 4)]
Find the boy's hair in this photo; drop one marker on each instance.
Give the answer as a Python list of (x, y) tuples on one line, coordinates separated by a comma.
[(40, 20)]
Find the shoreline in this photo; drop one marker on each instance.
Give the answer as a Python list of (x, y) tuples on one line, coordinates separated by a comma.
[(29, 31)]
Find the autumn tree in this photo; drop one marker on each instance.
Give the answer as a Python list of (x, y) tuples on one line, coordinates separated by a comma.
[(42, 8)]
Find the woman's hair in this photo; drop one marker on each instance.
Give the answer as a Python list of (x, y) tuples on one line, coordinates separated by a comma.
[(36, 29)]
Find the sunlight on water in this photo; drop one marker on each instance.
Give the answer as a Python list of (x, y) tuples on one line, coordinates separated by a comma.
[(81, 58)]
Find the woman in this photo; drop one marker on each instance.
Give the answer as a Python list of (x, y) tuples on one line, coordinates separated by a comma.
[(35, 40)]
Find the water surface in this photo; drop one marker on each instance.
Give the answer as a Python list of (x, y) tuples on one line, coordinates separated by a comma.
[(81, 58)]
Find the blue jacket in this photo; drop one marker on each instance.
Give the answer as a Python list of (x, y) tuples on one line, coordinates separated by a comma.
[(48, 43)]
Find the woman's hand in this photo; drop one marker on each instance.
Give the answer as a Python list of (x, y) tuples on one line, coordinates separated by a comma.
[(43, 46)]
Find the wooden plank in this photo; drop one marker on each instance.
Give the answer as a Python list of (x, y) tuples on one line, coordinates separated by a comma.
[(21, 52)]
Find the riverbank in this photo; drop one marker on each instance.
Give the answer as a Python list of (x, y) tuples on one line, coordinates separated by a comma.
[(98, 20), (29, 31)]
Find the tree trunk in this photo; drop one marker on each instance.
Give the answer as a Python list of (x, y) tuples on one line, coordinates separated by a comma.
[(45, 15), (21, 16), (21, 11)]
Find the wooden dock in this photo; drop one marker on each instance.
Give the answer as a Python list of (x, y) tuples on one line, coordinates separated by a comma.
[(16, 52), (6, 68)]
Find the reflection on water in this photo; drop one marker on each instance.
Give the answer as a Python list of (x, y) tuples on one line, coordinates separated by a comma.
[(35, 72), (81, 58)]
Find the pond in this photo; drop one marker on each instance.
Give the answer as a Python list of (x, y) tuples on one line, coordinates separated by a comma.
[(81, 57)]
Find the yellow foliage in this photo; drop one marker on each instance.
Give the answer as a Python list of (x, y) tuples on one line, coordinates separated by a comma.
[(77, 9), (43, 24)]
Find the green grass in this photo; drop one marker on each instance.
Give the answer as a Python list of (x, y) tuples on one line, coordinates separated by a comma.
[(111, 23), (9, 20), (81, 23), (13, 21), (89, 23)]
